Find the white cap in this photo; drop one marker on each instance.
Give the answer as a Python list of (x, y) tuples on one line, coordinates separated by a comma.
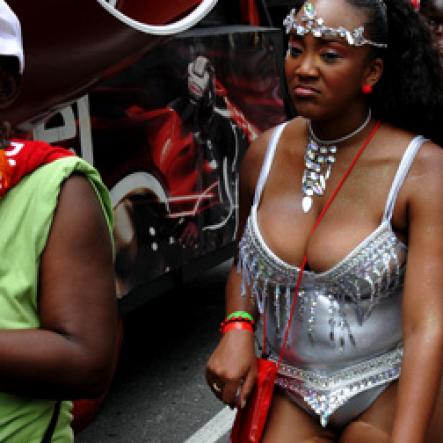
[(11, 43)]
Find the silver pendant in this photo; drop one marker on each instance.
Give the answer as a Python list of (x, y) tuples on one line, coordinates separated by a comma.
[(306, 204), (324, 420)]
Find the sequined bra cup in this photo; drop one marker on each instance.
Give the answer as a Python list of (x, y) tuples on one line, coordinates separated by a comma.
[(346, 336)]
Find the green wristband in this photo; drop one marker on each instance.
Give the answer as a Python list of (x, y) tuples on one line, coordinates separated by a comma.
[(241, 314)]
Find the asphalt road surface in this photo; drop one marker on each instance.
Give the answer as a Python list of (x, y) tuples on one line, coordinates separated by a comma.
[(159, 394)]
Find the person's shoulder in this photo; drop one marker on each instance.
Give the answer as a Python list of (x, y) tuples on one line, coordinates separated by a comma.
[(425, 172), (257, 149), (425, 178), (429, 156), (256, 152), (428, 163), (78, 203), (254, 157)]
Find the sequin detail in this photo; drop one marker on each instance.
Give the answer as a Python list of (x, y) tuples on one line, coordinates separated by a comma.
[(370, 273), (325, 394)]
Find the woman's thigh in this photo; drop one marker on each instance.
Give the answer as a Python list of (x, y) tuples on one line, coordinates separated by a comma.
[(375, 424), (435, 433), (381, 413), (288, 423)]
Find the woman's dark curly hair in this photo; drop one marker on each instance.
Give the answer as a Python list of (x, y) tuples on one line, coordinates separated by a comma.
[(410, 93)]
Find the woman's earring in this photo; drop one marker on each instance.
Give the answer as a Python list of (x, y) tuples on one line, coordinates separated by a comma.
[(416, 4), (366, 89)]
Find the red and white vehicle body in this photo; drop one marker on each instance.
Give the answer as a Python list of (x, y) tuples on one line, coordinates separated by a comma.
[(164, 115)]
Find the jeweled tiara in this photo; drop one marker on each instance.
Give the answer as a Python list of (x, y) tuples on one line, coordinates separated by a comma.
[(309, 22)]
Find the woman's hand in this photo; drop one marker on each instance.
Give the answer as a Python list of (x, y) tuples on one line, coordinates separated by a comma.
[(231, 370)]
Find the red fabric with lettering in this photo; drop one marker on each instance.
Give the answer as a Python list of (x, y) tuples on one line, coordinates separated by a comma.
[(24, 156)]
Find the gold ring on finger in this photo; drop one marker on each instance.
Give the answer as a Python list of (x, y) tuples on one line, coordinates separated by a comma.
[(216, 387)]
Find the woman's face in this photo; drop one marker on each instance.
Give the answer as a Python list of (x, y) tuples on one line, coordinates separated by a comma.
[(433, 12), (325, 75)]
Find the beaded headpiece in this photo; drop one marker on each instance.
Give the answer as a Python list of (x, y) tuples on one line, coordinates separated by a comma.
[(309, 22)]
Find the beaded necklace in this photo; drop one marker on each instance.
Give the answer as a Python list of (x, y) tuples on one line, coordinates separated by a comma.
[(319, 159)]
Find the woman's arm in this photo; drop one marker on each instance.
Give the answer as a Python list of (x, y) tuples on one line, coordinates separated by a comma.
[(72, 354), (423, 300), (232, 364)]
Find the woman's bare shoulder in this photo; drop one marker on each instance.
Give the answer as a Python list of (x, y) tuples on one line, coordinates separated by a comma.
[(425, 179), (428, 165), (253, 160), (429, 158)]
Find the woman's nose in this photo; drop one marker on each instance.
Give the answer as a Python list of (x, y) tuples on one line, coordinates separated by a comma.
[(307, 65)]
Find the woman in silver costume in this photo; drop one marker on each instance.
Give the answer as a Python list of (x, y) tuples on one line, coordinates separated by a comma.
[(365, 349)]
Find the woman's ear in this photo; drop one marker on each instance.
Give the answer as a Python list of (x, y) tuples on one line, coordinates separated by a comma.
[(373, 72), (9, 88)]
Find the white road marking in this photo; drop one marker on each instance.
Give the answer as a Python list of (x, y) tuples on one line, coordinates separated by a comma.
[(215, 428)]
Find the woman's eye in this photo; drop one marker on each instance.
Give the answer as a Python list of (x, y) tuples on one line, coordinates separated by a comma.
[(432, 23), (294, 51), (330, 56)]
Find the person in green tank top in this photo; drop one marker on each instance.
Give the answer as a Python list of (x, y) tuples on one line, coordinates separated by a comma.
[(58, 312)]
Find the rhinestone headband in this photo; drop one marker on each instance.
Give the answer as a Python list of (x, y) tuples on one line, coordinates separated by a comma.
[(309, 22)]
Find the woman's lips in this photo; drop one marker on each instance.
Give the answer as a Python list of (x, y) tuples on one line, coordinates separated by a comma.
[(305, 91)]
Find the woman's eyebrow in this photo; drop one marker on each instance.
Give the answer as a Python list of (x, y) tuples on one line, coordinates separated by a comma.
[(323, 40), (339, 40)]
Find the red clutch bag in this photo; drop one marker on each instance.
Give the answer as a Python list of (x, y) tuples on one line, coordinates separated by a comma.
[(250, 421)]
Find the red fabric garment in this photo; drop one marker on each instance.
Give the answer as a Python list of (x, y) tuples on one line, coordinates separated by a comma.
[(24, 156)]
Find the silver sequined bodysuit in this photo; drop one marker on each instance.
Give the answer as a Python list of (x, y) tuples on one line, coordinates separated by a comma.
[(345, 343)]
